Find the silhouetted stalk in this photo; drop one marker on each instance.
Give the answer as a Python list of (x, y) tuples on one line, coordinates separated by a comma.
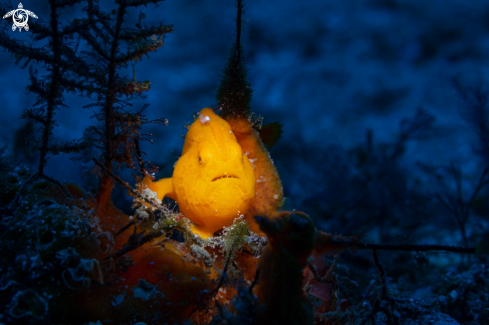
[(139, 157), (48, 120), (326, 242), (234, 91), (238, 29), (130, 189), (53, 88), (106, 185)]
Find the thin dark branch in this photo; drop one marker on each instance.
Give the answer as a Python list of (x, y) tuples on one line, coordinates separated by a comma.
[(418, 248), (139, 52), (457, 176), (383, 296), (224, 271), (68, 147), (255, 280), (74, 85), (137, 3), (31, 179), (53, 88), (383, 284), (110, 97), (216, 289), (16, 47), (130, 247), (39, 30), (479, 186), (144, 33), (124, 228), (130, 189), (249, 252), (54, 181), (35, 117), (344, 243), (474, 110), (76, 25), (238, 29), (388, 314), (371, 314), (41, 55), (457, 206), (445, 203), (314, 272), (331, 269), (139, 158), (80, 67), (69, 3), (94, 43)]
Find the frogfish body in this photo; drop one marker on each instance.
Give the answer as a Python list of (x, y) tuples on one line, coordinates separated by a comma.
[(213, 181)]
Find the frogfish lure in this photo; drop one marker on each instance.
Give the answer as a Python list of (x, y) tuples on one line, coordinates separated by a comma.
[(213, 181)]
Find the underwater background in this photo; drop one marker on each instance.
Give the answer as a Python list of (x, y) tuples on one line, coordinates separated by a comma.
[(383, 106)]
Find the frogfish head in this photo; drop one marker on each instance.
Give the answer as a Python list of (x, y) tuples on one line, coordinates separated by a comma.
[(214, 181)]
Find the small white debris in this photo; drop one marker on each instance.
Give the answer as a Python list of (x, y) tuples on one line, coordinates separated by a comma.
[(204, 119), (275, 197), (231, 132), (149, 194), (252, 161), (141, 213), (261, 180)]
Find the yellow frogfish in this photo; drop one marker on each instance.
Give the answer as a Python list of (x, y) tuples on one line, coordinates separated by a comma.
[(213, 181)]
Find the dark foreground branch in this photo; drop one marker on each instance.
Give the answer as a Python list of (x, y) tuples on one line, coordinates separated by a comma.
[(130, 189), (135, 241), (383, 300), (327, 242), (214, 292), (417, 248)]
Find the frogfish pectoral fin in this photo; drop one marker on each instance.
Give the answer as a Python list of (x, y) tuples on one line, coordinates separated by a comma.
[(202, 233), (163, 187)]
